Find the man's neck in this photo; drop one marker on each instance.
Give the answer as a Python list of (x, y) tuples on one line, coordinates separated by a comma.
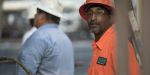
[(47, 22), (100, 34)]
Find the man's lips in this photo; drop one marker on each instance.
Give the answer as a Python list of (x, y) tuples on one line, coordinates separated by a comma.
[(92, 26)]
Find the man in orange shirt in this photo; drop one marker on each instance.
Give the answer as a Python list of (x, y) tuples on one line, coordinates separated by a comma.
[(99, 15)]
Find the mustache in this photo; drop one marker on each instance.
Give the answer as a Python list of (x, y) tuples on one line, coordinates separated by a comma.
[(92, 22)]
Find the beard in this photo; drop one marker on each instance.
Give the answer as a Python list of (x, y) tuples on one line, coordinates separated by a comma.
[(94, 27)]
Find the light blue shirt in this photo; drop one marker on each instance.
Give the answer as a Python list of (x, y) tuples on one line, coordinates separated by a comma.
[(47, 52)]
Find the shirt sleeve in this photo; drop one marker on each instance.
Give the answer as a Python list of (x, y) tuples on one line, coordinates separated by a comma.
[(31, 54), (134, 68)]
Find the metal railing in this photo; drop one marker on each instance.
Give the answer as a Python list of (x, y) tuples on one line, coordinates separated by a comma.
[(13, 60)]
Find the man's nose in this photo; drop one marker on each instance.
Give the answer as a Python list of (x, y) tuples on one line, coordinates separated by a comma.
[(93, 17)]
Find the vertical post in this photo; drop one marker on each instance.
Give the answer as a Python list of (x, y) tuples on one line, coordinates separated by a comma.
[(122, 23), (146, 37), (139, 11), (1, 18)]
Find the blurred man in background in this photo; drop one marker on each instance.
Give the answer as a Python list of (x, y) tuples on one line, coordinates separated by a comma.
[(48, 51), (31, 13), (99, 15)]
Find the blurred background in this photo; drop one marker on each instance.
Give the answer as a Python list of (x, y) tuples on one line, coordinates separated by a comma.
[(14, 24)]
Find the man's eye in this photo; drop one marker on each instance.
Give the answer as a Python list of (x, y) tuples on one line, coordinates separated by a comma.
[(89, 14), (100, 12)]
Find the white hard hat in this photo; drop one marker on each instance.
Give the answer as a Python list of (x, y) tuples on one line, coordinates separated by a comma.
[(52, 7), (31, 12)]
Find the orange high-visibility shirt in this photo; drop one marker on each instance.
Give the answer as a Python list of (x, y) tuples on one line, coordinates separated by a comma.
[(103, 57)]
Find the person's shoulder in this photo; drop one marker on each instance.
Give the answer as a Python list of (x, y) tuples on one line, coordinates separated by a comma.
[(36, 35)]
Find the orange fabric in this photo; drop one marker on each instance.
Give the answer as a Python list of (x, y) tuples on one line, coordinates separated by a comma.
[(106, 3), (106, 47)]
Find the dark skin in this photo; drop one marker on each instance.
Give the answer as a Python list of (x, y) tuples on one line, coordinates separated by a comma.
[(41, 19), (99, 20)]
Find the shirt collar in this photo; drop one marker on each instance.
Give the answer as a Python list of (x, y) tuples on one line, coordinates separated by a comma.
[(101, 42), (49, 25)]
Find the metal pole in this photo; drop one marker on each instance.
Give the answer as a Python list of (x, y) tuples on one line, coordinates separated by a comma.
[(139, 11), (1, 18), (122, 24), (145, 23)]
